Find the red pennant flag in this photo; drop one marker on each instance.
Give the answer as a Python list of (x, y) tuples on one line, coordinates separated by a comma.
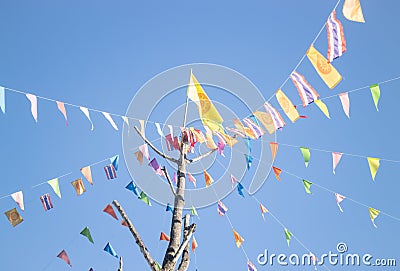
[(164, 237), (109, 210), (63, 256), (277, 172), (123, 223), (194, 244)]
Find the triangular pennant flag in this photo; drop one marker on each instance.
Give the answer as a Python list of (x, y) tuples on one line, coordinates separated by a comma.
[(251, 266), (124, 223), (277, 172), (109, 210), (193, 211), (307, 186), (154, 164), (61, 107), (164, 237), (263, 210), (274, 149), (221, 208), (86, 232), (208, 178), (159, 131), (373, 214), (376, 94), (306, 155), (194, 244), (249, 160), (175, 178), (344, 99), (87, 114), (209, 139), (132, 187), (233, 180), (352, 11), (191, 179), (238, 239), (115, 161), (87, 173), (110, 120), (247, 141), (108, 248), (288, 236), (169, 209), (54, 184), (240, 188), (14, 217), (79, 187), (2, 100), (287, 106), (336, 156), (63, 256), (322, 106), (18, 197), (158, 266), (373, 166), (143, 197), (126, 121), (139, 157), (339, 198), (33, 99)]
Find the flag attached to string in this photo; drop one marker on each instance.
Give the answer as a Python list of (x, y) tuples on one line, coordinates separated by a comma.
[(159, 131), (209, 180), (157, 168), (254, 127), (233, 180), (193, 211), (251, 266), (287, 106), (277, 119), (33, 99), (221, 208), (46, 202), (277, 172), (132, 187), (115, 161), (194, 244), (352, 11), (86, 232), (87, 114), (322, 106), (139, 157), (306, 155), (240, 189), (108, 248), (56, 188), (274, 149), (249, 160), (306, 92), (374, 164), (142, 128), (376, 94), (18, 197), (126, 121), (87, 173), (325, 70), (175, 177), (169, 208), (144, 149), (238, 239), (61, 108), (344, 99), (110, 172), (266, 121), (245, 130), (143, 197), (336, 39), (63, 256), (263, 210), (288, 236), (373, 214), (339, 198), (14, 217), (307, 186), (78, 186), (191, 179), (109, 210), (336, 156), (2, 99), (164, 237)]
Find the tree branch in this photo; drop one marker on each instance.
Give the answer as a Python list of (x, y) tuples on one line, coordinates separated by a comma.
[(169, 180), (198, 158), (154, 148), (185, 260), (120, 264), (186, 239), (136, 235)]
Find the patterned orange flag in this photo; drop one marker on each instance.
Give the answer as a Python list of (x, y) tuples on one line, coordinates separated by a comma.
[(79, 187), (164, 237), (208, 178), (14, 217), (277, 172), (238, 239), (274, 149)]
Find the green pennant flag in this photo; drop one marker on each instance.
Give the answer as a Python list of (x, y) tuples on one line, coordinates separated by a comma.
[(158, 266), (376, 94), (85, 232), (143, 197), (288, 235), (193, 211), (307, 186), (306, 154), (54, 184)]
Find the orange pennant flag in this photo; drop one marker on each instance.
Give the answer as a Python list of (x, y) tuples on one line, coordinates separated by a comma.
[(164, 237), (87, 173), (277, 172), (274, 149), (194, 244), (263, 210), (79, 187), (139, 157), (109, 210), (238, 239), (123, 223), (208, 178)]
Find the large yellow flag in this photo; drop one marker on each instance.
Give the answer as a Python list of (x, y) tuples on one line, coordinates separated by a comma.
[(373, 166), (352, 11), (287, 106), (238, 239), (207, 111), (326, 71), (266, 120)]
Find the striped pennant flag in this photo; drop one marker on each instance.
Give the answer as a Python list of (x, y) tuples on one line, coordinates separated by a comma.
[(306, 92), (250, 266), (276, 117), (222, 209), (254, 127), (336, 40), (46, 202), (110, 172)]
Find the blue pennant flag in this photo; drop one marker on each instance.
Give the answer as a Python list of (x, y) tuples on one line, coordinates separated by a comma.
[(110, 250), (247, 140), (115, 161), (132, 187), (249, 160), (240, 188), (169, 208)]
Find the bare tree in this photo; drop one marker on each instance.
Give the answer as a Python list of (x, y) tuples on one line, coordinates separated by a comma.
[(180, 233)]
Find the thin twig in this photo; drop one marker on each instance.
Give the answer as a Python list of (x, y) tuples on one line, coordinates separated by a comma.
[(169, 180), (198, 158)]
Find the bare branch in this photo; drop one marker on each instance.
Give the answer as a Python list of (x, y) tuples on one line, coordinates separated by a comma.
[(154, 148), (120, 264), (136, 235), (185, 260), (169, 180), (186, 239), (198, 158)]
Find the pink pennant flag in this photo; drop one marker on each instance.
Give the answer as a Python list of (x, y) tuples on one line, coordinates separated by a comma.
[(344, 98), (63, 256), (191, 179), (221, 144), (175, 178), (18, 197), (233, 180), (61, 107), (110, 120), (336, 156), (32, 98), (144, 149), (339, 199)]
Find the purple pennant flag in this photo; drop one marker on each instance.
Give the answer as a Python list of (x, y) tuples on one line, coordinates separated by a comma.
[(154, 164)]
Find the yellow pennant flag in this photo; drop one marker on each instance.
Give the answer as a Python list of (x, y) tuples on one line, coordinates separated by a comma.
[(287, 106), (352, 11), (265, 120), (208, 178), (373, 166), (373, 214), (87, 173), (209, 139), (79, 187), (207, 111), (326, 71), (323, 108), (54, 184), (229, 140), (238, 239)]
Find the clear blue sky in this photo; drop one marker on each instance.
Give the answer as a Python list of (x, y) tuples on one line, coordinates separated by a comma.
[(99, 53)]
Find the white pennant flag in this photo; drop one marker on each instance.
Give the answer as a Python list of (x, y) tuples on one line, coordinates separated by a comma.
[(339, 198), (32, 98), (344, 99), (144, 149), (86, 112), (159, 131), (110, 120), (18, 197), (171, 130), (336, 156)]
